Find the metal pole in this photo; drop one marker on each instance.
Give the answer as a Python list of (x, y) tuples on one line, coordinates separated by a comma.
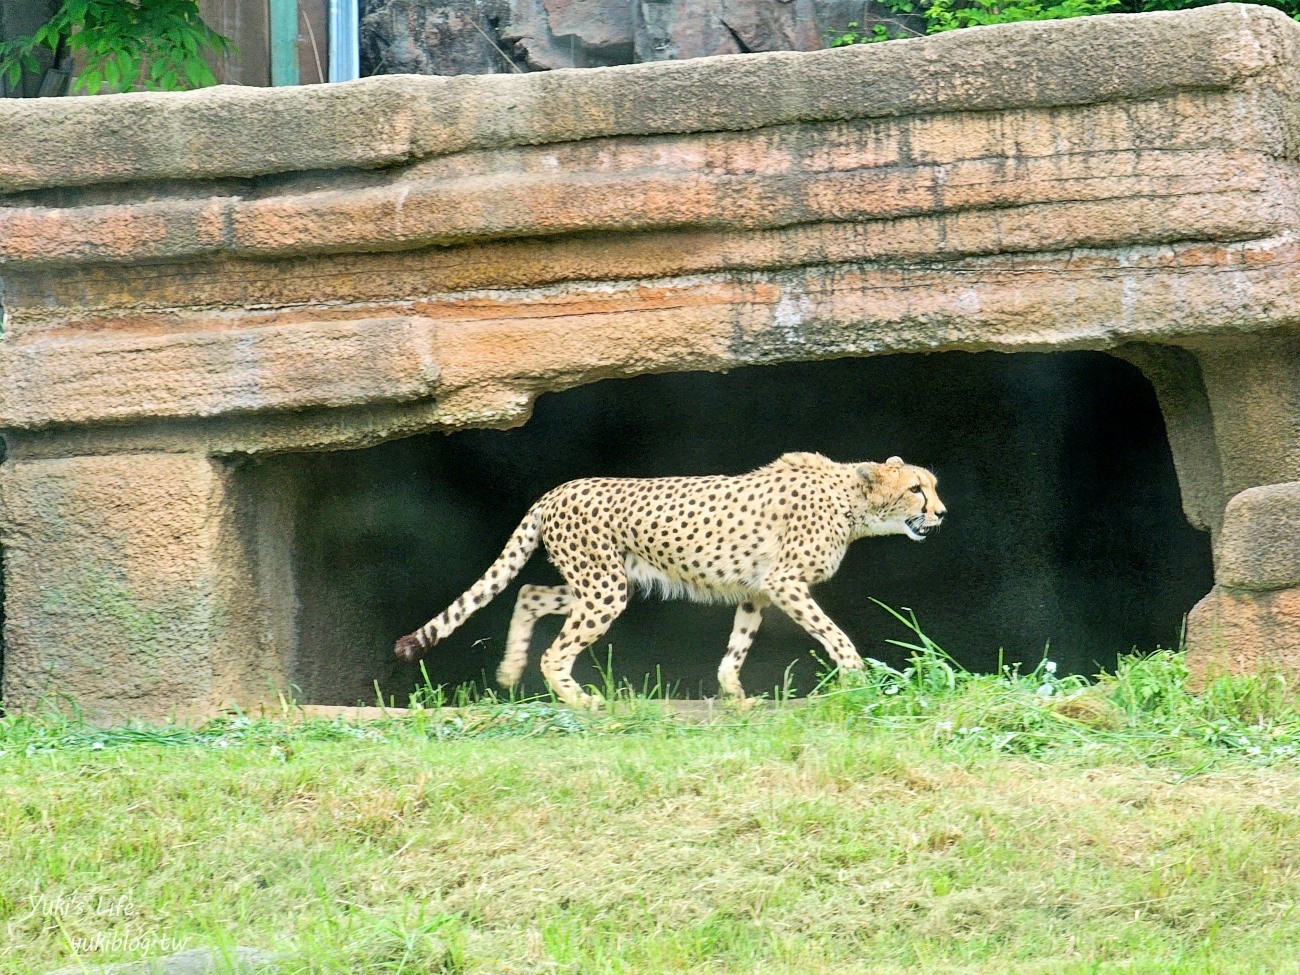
[(284, 42), (345, 41)]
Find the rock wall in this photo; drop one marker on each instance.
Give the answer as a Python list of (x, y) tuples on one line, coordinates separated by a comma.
[(450, 37), (194, 280)]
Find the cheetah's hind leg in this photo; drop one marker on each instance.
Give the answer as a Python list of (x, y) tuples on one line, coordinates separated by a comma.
[(591, 611), (533, 603)]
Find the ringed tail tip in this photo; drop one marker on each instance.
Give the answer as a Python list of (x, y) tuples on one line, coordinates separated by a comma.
[(409, 648)]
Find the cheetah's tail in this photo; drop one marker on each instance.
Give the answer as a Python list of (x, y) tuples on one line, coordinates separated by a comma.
[(522, 544)]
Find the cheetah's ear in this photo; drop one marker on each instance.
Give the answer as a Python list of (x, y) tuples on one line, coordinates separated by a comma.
[(894, 462), (869, 474)]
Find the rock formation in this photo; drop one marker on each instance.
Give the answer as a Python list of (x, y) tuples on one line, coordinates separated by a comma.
[(448, 37), (191, 280)]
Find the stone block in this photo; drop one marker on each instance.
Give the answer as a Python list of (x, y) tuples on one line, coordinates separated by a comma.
[(1253, 384), (1237, 632), (1259, 548), (127, 588)]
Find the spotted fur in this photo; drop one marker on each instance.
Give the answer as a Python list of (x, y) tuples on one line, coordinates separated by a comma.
[(757, 539)]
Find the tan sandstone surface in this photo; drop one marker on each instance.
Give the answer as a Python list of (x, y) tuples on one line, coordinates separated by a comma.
[(192, 279)]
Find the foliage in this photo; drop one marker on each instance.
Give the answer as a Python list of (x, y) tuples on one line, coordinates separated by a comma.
[(1289, 7), (854, 33), (938, 16), (158, 44), (1144, 709), (945, 15)]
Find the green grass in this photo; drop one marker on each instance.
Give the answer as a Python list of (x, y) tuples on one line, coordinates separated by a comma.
[(923, 821)]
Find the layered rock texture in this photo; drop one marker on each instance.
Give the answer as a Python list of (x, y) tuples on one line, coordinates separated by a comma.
[(191, 280)]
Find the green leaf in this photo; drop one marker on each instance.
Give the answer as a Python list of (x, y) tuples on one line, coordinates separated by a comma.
[(89, 81), (114, 38)]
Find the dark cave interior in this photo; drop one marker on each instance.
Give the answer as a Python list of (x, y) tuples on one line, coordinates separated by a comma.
[(1065, 525)]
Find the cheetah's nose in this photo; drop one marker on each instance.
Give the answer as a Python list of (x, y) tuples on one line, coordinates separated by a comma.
[(941, 514)]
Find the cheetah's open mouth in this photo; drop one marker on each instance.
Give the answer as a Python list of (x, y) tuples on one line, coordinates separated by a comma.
[(917, 529)]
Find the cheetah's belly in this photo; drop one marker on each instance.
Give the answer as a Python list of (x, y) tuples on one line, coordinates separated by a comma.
[(697, 586)]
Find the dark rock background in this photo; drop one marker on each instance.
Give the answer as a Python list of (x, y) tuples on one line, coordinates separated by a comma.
[(448, 37), (1065, 525)]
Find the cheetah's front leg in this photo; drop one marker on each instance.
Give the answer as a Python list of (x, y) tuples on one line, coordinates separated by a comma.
[(793, 597)]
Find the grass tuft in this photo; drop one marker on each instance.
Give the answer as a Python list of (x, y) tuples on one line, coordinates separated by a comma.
[(1145, 708)]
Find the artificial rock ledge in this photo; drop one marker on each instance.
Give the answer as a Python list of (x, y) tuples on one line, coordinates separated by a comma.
[(192, 279)]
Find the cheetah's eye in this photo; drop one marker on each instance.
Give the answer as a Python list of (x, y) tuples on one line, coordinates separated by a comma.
[(917, 489)]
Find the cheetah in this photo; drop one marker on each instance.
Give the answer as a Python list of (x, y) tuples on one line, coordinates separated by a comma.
[(752, 540)]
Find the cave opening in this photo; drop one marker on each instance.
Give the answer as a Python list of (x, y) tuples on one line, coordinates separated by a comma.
[(1065, 526)]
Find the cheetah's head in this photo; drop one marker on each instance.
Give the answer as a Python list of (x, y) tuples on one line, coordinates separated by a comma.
[(899, 499)]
